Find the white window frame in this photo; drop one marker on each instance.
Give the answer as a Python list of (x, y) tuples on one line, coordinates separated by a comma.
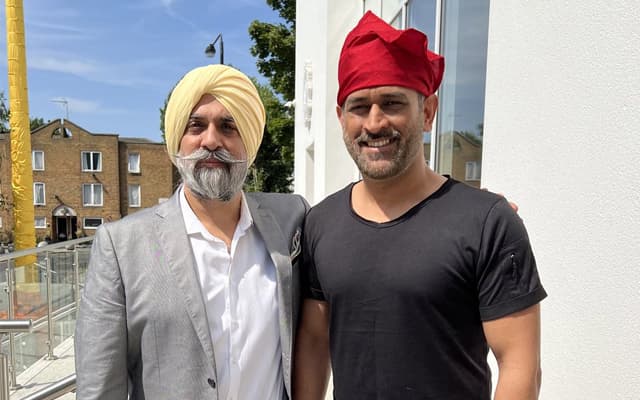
[(92, 202), (43, 225), (134, 186), (92, 155), (136, 169), (472, 171), (84, 222), (44, 194), (33, 160)]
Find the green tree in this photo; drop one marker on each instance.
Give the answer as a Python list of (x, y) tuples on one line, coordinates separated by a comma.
[(272, 170), (36, 123), (274, 45)]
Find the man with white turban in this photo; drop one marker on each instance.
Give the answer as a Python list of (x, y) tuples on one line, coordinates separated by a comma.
[(197, 298)]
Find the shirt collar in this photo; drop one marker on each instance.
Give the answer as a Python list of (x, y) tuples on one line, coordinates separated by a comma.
[(194, 226)]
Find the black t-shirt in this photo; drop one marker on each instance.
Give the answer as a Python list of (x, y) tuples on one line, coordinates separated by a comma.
[(408, 297)]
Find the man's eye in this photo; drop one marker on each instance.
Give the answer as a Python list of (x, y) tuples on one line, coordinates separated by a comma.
[(194, 124), (229, 128), (358, 108)]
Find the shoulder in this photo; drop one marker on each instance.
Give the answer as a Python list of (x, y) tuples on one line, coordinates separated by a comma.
[(332, 203), (277, 200), (138, 222), (282, 205)]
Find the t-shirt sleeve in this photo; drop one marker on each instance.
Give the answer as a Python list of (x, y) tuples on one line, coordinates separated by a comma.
[(508, 279), (311, 288)]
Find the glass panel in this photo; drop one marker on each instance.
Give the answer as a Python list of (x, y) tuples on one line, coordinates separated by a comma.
[(461, 112), (421, 15), (86, 194), (134, 195), (38, 193), (41, 222), (92, 223), (38, 160), (86, 161), (96, 162), (30, 292), (134, 162), (97, 194)]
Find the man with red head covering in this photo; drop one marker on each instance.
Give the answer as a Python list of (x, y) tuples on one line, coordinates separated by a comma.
[(411, 276)]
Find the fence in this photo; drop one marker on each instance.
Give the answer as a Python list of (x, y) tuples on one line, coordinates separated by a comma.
[(42, 285)]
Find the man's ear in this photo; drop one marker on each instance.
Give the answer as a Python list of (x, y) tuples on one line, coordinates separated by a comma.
[(339, 114), (430, 108)]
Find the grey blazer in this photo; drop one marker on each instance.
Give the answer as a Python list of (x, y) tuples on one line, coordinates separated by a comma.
[(142, 328)]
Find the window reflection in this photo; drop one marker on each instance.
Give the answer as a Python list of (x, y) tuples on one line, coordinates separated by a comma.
[(461, 111), (421, 14)]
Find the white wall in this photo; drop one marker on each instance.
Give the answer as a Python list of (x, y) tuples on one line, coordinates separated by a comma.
[(562, 138), (322, 164)]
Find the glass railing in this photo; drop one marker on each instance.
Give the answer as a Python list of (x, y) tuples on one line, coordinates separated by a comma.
[(42, 285)]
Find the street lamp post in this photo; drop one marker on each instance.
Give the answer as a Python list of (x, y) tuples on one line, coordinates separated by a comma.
[(210, 51)]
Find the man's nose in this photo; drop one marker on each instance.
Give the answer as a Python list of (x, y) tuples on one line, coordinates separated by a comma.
[(211, 139), (376, 120)]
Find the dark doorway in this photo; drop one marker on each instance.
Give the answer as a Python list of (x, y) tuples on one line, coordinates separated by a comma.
[(65, 228)]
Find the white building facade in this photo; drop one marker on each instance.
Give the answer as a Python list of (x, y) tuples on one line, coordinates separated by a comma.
[(541, 101)]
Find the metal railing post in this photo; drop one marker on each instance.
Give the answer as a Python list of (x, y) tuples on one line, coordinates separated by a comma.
[(11, 314), (9, 326), (76, 277), (4, 375), (50, 355)]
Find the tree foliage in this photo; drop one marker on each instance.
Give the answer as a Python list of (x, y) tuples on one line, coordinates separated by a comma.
[(272, 170), (274, 45)]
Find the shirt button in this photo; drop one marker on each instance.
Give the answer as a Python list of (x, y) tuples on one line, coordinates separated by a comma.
[(211, 383)]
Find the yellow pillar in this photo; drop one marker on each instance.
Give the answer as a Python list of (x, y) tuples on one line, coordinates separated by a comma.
[(21, 173)]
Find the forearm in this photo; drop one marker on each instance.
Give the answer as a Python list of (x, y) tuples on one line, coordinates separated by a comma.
[(311, 367), (518, 383), (312, 359)]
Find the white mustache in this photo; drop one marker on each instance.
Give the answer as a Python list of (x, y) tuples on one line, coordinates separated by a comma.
[(220, 155)]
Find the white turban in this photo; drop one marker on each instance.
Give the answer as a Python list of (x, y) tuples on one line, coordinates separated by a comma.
[(233, 89)]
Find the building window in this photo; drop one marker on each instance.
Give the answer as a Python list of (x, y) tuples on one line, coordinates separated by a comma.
[(38, 194), (134, 195), (91, 161), (91, 223), (134, 163), (92, 194), (41, 222), (37, 160), (472, 171), (462, 92)]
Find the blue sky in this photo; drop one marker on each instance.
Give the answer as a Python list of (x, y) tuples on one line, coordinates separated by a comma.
[(114, 62)]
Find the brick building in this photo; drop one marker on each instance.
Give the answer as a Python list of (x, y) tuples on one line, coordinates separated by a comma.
[(82, 179)]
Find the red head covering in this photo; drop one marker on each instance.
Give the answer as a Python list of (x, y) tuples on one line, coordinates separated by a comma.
[(376, 54)]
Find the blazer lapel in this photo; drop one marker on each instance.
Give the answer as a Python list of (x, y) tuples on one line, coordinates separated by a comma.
[(174, 240), (277, 247)]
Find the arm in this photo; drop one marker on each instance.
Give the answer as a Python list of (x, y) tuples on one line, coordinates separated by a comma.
[(515, 342), (312, 359), (101, 333)]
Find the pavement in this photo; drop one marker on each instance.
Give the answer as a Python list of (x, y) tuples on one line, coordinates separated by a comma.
[(47, 372)]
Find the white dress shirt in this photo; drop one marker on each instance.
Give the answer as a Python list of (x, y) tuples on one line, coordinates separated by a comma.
[(239, 291)]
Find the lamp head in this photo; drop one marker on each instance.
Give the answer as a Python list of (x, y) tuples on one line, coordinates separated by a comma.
[(210, 51)]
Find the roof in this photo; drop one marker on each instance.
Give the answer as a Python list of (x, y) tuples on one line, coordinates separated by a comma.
[(137, 140)]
